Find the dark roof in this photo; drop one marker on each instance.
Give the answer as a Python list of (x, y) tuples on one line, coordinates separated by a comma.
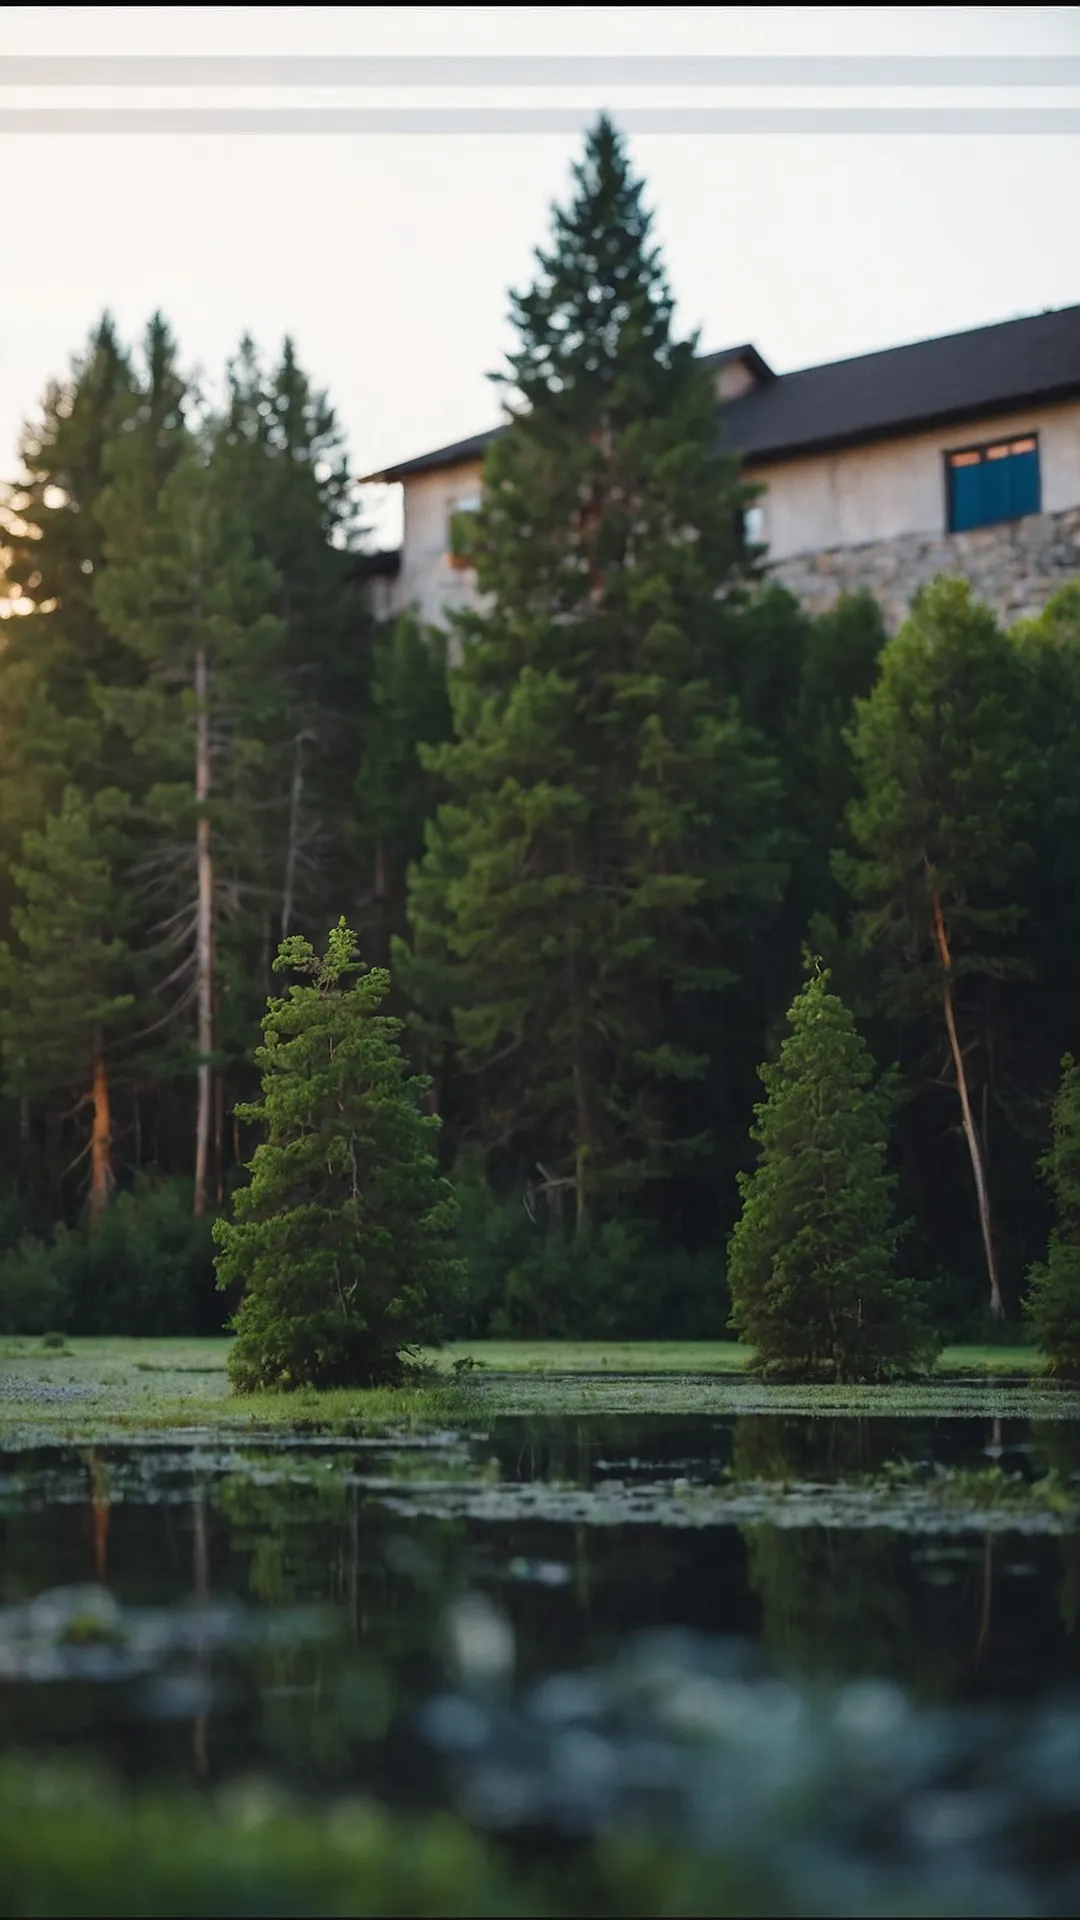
[(455, 455), (874, 396), (749, 356), (1014, 364)]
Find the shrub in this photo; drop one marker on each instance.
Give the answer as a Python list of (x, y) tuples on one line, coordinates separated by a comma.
[(146, 1267), (33, 1293), (623, 1282)]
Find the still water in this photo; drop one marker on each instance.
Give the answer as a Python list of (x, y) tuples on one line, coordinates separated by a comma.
[(195, 1611)]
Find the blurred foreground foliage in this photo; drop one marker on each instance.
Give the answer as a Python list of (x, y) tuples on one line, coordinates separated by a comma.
[(72, 1844)]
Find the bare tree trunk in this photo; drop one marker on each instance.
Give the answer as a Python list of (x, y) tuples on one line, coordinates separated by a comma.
[(997, 1305), (296, 793), (101, 1173), (205, 929)]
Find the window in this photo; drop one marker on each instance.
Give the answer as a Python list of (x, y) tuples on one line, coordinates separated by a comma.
[(754, 526), (989, 484), (457, 529)]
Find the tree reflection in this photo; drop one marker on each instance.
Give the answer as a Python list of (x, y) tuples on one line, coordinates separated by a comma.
[(784, 1450), (381, 1590), (1057, 1445), (840, 1601)]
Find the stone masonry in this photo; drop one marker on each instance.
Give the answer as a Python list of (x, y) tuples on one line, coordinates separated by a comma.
[(1014, 568)]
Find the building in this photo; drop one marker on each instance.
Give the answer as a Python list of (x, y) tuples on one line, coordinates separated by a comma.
[(957, 455)]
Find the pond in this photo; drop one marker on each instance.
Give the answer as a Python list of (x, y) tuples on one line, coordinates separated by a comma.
[(421, 1619)]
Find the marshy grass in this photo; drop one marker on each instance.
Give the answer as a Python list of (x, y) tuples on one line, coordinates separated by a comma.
[(92, 1386)]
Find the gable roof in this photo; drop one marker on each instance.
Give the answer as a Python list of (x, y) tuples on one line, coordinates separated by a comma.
[(874, 396), (903, 389)]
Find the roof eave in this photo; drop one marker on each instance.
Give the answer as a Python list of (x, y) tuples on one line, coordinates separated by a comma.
[(462, 453)]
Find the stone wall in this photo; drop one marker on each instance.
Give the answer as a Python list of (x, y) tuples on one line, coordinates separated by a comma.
[(1014, 568)]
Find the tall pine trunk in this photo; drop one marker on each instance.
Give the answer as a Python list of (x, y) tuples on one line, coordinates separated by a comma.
[(997, 1305), (101, 1172), (204, 938)]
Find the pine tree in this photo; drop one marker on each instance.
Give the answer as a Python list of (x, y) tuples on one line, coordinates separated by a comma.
[(340, 1241), (1053, 1303), (947, 778), (279, 451), (66, 977), (56, 653), (185, 592), (839, 667), (610, 832), (407, 706), (57, 649), (812, 1260)]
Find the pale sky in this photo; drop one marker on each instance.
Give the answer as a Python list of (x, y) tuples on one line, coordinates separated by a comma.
[(388, 257)]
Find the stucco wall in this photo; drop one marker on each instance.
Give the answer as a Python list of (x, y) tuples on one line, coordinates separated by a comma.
[(427, 580), (897, 487)]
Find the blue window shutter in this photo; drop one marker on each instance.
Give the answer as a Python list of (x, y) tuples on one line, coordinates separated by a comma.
[(965, 498), (984, 492), (996, 490), (1023, 482)]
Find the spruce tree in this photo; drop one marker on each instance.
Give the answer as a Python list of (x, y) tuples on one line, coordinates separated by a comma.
[(812, 1259), (947, 779), (609, 837), (1053, 1303), (340, 1240)]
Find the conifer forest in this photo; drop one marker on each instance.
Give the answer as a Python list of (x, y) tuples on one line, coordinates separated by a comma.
[(595, 831)]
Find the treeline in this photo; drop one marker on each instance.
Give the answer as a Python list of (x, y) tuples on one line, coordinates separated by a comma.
[(204, 744), (593, 851)]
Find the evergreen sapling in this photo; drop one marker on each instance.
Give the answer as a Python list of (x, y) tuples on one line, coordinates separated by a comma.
[(340, 1240), (812, 1259)]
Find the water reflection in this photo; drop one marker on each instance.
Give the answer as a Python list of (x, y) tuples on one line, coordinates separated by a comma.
[(961, 1617), (365, 1598), (586, 1450)]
